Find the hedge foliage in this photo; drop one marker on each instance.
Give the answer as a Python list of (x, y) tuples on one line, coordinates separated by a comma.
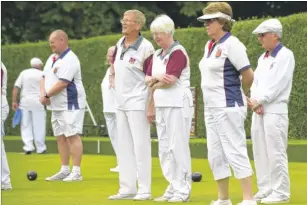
[(92, 54)]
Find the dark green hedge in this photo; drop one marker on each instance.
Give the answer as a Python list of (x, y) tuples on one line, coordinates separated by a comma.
[(92, 54)]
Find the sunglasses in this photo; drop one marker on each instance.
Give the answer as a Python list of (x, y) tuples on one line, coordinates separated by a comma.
[(209, 21)]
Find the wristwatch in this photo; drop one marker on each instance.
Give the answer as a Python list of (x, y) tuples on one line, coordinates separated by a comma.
[(46, 96)]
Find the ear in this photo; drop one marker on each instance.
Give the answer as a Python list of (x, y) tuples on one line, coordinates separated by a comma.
[(138, 27)]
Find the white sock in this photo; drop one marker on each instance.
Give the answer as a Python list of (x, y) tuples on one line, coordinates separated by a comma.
[(76, 169), (65, 168), (224, 201)]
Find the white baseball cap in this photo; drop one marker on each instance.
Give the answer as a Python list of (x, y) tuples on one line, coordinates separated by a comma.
[(214, 15), (269, 26), (36, 61)]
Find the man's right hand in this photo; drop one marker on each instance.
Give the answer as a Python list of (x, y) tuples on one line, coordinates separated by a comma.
[(112, 80), (15, 106)]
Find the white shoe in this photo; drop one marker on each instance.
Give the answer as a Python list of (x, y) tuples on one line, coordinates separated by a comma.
[(115, 169), (6, 187), (73, 176), (262, 194), (248, 202), (177, 199), (221, 202), (162, 198), (142, 197), (273, 199), (58, 176), (122, 197)]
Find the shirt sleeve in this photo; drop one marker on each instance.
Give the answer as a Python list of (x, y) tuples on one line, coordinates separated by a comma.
[(114, 54), (238, 56), (148, 54), (18, 82), (148, 65), (176, 63), (282, 76), (68, 71)]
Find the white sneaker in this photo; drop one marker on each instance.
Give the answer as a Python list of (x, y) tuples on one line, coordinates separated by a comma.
[(73, 176), (177, 199), (162, 198), (58, 176), (115, 169), (221, 202), (262, 194), (248, 202), (121, 197), (6, 187), (142, 197), (273, 199)]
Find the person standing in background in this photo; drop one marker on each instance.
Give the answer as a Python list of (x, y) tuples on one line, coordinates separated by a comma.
[(5, 170), (109, 106), (33, 114)]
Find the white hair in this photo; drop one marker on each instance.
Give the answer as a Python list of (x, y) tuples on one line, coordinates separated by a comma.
[(163, 23)]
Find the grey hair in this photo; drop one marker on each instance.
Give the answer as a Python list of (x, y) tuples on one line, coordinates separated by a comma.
[(163, 23)]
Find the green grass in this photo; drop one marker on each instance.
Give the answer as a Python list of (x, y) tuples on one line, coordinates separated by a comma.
[(99, 183)]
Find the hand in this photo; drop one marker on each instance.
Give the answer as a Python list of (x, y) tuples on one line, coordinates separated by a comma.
[(152, 82), (15, 106), (259, 110), (112, 80), (249, 103), (151, 113), (166, 79), (44, 100)]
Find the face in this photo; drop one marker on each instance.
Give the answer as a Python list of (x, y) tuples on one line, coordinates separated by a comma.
[(160, 38), (55, 43), (212, 27), (267, 40), (110, 55), (129, 23)]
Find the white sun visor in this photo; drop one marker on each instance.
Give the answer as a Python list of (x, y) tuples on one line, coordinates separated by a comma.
[(213, 16)]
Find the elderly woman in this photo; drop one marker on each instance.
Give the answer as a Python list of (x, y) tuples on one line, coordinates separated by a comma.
[(109, 108), (226, 77), (171, 104)]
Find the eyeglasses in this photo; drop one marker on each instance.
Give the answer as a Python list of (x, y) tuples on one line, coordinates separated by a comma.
[(209, 21), (126, 20)]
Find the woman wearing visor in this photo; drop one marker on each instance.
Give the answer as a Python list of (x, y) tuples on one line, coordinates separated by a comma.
[(226, 77)]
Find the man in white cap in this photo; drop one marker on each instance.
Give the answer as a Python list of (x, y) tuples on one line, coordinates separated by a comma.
[(269, 99), (33, 120)]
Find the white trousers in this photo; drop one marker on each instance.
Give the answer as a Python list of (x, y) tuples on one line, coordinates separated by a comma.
[(173, 128), (33, 129), (269, 139), (110, 118), (226, 142), (134, 152), (5, 170)]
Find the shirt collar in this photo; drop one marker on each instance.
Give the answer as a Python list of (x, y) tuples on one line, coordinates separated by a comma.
[(176, 43), (276, 50), (224, 38), (136, 44)]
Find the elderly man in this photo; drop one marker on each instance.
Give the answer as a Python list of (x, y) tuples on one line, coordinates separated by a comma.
[(133, 130), (33, 120), (62, 90), (5, 170), (269, 99)]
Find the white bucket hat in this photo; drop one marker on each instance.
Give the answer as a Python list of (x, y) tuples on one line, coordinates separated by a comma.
[(269, 26), (36, 61), (205, 17)]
